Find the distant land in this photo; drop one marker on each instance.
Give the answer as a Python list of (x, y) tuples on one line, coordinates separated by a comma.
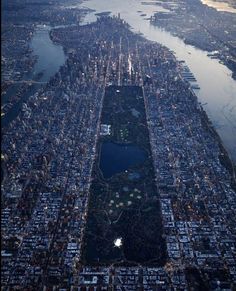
[(114, 177), (202, 26)]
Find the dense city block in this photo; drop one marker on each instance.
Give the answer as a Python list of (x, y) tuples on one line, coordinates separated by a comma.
[(124, 203), (178, 200)]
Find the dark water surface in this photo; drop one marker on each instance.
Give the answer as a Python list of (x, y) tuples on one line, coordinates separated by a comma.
[(218, 89), (117, 158), (50, 57)]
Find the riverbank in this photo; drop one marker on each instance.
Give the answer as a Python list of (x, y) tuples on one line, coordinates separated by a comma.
[(50, 155), (27, 50), (195, 24), (49, 59), (217, 88), (224, 158)]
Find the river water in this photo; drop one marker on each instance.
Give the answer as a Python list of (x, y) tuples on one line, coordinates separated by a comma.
[(50, 57), (218, 89)]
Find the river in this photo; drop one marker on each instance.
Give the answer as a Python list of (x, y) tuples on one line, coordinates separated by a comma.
[(218, 89), (50, 57)]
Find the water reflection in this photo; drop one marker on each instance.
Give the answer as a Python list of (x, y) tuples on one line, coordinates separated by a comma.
[(117, 158), (218, 89), (50, 56), (49, 59)]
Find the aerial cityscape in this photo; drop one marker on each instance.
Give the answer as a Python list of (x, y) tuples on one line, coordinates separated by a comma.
[(118, 145)]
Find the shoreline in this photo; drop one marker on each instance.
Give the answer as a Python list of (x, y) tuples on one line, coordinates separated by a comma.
[(200, 33), (71, 115), (224, 157)]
